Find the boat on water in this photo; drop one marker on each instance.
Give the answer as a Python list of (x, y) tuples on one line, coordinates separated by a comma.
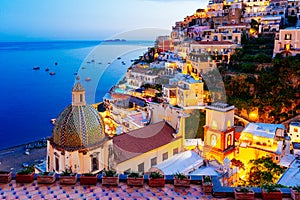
[(52, 73), (47, 69), (88, 79), (36, 68), (55, 63), (53, 120), (123, 63), (100, 63), (109, 63), (119, 58)]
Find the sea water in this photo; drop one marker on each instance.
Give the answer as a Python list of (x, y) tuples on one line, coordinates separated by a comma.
[(30, 98)]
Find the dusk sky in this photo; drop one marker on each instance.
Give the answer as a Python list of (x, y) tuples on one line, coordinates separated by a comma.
[(23, 20)]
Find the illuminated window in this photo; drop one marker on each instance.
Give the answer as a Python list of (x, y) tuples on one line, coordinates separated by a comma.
[(213, 140), (214, 124), (228, 124), (287, 46), (295, 130), (229, 140), (288, 37)]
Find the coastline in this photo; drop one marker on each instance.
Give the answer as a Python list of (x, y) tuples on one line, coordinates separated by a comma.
[(12, 158)]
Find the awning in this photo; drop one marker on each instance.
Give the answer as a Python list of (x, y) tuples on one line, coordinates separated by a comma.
[(184, 162), (205, 171)]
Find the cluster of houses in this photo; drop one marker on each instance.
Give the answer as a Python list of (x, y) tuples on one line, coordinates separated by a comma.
[(139, 128)]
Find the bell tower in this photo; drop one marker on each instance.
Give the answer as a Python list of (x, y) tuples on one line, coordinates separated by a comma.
[(219, 132), (78, 95)]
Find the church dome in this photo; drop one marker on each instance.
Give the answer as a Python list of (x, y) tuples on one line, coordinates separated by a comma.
[(79, 125)]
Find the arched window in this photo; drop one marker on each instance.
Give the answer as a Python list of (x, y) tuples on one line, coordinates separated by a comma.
[(229, 140), (213, 140)]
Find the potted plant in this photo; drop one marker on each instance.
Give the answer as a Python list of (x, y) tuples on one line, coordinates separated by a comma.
[(110, 177), (88, 179), (135, 179), (26, 175), (156, 179), (295, 192), (241, 193), (207, 184), (270, 192), (67, 177), (5, 177), (46, 177), (181, 180)]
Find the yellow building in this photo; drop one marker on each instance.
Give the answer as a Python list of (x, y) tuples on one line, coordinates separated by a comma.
[(141, 149), (185, 92), (260, 139), (294, 131)]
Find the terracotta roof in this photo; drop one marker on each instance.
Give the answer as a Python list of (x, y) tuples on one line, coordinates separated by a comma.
[(215, 42), (134, 143)]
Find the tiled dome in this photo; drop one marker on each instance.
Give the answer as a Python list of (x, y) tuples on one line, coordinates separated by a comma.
[(78, 127)]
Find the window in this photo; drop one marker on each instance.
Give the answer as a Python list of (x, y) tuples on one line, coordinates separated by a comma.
[(153, 161), (229, 140), (56, 164), (213, 140), (276, 157), (288, 37), (214, 125), (295, 130), (48, 163), (175, 151), (95, 164), (81, 98), (141, 168), (165, 156)]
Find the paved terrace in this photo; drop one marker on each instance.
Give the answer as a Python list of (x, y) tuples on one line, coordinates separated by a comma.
[(36, 191)]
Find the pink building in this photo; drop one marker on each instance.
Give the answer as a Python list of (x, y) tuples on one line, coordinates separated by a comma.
[(287, 42)]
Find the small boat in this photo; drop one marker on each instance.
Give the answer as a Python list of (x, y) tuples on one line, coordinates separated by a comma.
[(53, 120), (75, 73), (93, 60), (123, 63), (88, 79), (119, 58), (36, 68), (88, 62), (109, 63), (55, 63), (52, 73), (100, 63), (47, 69)]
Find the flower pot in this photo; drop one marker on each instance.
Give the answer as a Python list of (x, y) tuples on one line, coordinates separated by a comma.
[(182, 182), (5, 177), (295, 195), (249, 195), (67, 180), (110, 180), (156, 182), (25, 178), (276, 195), (46, 179), (88, 180), (135, 181)]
